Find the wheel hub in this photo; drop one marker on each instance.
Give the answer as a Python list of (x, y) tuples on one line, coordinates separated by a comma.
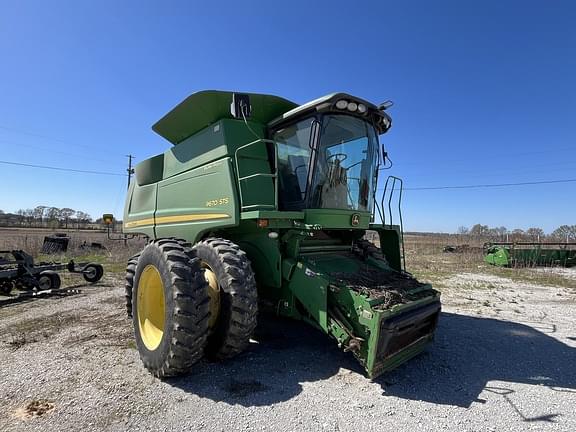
[(151, 307), (44, 282), (213, 292)]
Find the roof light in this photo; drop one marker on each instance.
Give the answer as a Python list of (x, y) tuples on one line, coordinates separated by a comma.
[(362, 108), (342, 104), (352, 106)]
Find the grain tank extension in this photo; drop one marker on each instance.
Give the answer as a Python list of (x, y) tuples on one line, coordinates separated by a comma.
[(263, 204)]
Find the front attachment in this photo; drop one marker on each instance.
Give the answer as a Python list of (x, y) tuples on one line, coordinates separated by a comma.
[(384, 317)]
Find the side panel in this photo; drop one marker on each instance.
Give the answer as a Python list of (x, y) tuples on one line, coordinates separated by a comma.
[(206, 146), (312, 290), (390, 244), (139, 209), (196, 201), (213, 143)]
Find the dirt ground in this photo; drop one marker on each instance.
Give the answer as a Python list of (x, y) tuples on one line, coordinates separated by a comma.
[(504, 359)]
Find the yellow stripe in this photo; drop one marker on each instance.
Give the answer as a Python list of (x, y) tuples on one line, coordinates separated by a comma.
[(178, 218), (139, 223)]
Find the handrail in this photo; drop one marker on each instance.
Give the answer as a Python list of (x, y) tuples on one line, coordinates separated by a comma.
[(400, 190), (273, 176)]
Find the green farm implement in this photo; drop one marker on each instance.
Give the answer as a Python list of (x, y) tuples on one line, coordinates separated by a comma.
[(263, 204), (530, 254)]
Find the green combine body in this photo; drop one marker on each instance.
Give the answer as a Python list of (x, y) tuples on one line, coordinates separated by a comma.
[(530, 254), (270, 201)]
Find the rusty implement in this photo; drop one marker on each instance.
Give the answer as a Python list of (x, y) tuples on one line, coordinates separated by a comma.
[(19, 271)]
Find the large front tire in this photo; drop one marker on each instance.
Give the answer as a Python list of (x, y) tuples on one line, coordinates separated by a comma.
[(170, 307), (233, 295)]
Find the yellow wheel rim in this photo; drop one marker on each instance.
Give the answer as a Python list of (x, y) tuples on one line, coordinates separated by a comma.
[(151, 307), (213, 293)]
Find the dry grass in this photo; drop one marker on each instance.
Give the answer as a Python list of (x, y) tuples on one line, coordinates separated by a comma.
[(427, 261), (424, 256), (113, 257)]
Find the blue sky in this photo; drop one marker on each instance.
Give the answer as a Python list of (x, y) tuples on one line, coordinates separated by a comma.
[(484, 92)]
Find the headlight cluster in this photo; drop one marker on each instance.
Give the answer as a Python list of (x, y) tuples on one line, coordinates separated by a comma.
[(343, 104)]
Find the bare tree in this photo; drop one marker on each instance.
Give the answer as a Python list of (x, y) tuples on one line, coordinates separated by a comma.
[(21, 216), (565, 233), (39, 214), (535, 234), (29, 213), (517, 234), (82, 218), (65, 215), (479, 230), (53, 216)]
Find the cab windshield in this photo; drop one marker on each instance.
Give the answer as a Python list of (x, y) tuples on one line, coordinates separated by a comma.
[(340, 174)]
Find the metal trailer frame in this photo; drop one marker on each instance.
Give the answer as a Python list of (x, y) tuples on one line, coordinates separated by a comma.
[(23, 273)]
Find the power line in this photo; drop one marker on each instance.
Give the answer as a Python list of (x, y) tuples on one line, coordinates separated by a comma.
[(477, 186), (499, 156), (61, 169), (493, 185)]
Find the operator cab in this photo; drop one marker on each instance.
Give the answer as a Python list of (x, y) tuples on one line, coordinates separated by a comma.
[(328, 154)]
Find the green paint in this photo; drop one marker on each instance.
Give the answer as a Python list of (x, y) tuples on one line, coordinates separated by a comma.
[(220, 180), (207, 107), (498, 256), (534, 254)]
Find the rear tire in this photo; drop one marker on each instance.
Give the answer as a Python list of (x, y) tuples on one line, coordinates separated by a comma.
[(230, 333), (170, 308), (128, 286)]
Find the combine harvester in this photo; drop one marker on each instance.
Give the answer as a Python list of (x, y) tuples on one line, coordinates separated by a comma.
[(263, 204), (530, 254)]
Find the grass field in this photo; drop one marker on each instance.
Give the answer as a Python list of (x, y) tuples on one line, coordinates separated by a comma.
[(424, 255), (427, 261)]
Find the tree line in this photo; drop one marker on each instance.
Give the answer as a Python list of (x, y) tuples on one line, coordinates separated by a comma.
[(46, 217), (562, 233)]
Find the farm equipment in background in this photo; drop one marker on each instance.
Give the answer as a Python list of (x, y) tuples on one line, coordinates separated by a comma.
[(56, 243), (530, 254), (18, 271), (262, 204)]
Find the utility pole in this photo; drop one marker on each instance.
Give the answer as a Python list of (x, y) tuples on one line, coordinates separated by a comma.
[(130, 172), (130, 169)]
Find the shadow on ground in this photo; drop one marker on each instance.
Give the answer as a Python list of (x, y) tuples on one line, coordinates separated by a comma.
[(468, 353), (288, 353)]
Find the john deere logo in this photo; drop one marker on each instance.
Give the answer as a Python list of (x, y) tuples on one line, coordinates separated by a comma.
[(355, 219)]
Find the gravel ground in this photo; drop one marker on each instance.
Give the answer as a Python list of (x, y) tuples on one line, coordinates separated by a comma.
[(504, 360)]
